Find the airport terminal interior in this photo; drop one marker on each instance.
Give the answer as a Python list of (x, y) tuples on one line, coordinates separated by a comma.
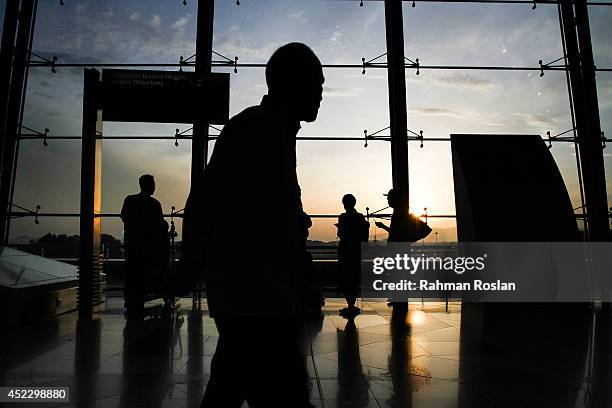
[(483, 121)]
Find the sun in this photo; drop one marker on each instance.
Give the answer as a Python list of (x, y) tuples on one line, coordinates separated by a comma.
[(419, 209)]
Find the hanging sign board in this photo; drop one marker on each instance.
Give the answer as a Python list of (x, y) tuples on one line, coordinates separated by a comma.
[(164, 96)]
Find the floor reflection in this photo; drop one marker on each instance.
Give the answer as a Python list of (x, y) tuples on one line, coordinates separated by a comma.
[(86, 360), (149, 360), (600, 364), (530, 354), (417, 358), (195, 365), (353, 389), (399, 358)]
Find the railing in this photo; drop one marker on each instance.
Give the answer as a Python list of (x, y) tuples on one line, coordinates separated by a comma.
[(113, 253), (325, 257)]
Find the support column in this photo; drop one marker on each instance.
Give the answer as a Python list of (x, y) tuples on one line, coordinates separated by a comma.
[(597, 210), (586, 110), (90, 257), (11, 126), (204, 38), (394, 24), (9, 31)]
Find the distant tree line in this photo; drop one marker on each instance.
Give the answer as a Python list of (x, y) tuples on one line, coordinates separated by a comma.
[(67, 246)]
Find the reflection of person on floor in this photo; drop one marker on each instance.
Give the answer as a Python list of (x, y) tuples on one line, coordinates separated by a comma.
[(353, 229), (353, 386), (402, 382), (148, 357), (404, 227), (145, 242), (254, 295)]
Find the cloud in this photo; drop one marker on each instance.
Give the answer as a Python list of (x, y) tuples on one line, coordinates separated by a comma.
[(341, 91), (90, 39), (334, 40), (156, 21), (108, 13), (135, 16), (298, 16), (181, 23), (537, 121), (435, 111), (464, 80), (370, 75), (234, 42), (42, 94)]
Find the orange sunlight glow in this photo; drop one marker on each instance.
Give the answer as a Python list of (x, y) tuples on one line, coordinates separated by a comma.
[(419, 209)]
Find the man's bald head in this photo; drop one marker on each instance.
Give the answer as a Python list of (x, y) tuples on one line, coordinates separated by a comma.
[(295, 77)]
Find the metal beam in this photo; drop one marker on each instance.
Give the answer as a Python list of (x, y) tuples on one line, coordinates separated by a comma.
[(597, 209), (204, 38), (223, 64), (394, 25), (11, 128), (91, 198), (9, 31), (586, 110)]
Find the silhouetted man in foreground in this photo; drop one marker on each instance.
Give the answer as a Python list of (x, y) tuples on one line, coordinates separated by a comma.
[(244, 224), (145, 239), (353, 229)]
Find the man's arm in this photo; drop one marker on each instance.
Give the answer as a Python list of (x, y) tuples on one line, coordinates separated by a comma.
[(364, 228), (125, 209), (383, 226), (159, 210), (340, 226)]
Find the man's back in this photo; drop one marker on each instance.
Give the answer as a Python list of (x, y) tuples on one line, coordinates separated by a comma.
[(142, 217), (353, 229), (253, 163), (249, 205)]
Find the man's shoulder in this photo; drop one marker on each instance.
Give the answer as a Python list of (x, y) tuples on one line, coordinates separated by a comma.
[(129, 202), (150, 201), (246, 118), (130, 198), (357, 216), (141, 198), (154, 200)]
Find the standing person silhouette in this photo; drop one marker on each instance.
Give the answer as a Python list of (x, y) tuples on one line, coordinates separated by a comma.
[(353, 229), (404, 227), (251, 274), (144, 233)]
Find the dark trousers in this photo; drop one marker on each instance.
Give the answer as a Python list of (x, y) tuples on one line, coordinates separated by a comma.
[(134, 292), (257, 360), (349, 267)]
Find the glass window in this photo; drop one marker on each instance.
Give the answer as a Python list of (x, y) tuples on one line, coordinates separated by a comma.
[(599, 22), (52, 237), (481, 34), (49, 176), (440, 102)]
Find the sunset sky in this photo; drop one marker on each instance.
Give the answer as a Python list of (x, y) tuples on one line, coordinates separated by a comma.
[(439, 102)]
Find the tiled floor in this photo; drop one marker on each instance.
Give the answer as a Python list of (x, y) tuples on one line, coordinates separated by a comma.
[(424, 359)]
